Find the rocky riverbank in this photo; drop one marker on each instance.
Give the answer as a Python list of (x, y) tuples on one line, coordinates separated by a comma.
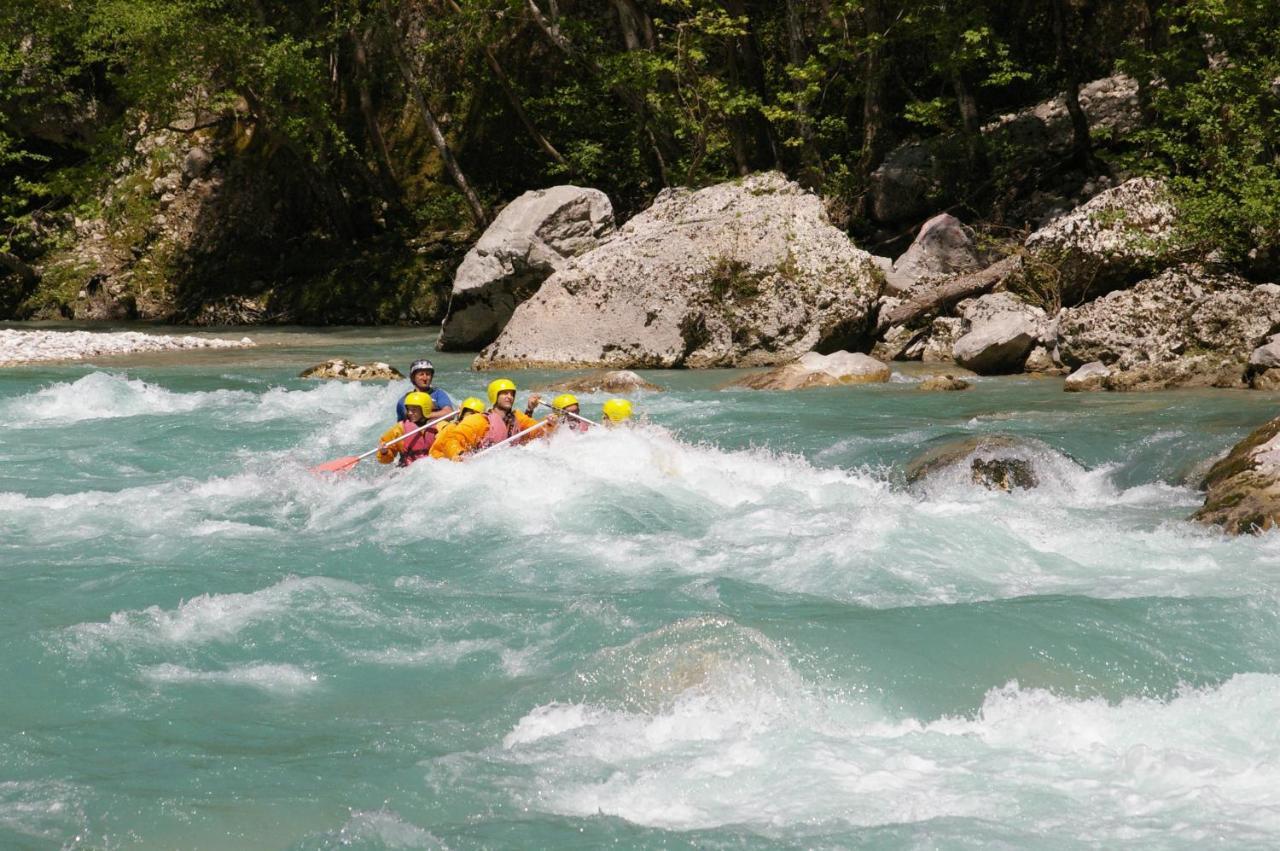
[(752, 273)]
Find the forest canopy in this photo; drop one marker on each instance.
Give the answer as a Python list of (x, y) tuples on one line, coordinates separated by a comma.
[(385, 118)]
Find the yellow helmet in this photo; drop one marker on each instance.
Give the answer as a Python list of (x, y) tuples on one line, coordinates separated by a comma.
[(422, 400), (497, 386), (471, 403), (563, 401), (617, 410)]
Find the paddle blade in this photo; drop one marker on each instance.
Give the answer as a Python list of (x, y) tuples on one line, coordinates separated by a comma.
[(339, 465)]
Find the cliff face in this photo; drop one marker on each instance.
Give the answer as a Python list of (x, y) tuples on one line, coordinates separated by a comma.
[(190, 230)]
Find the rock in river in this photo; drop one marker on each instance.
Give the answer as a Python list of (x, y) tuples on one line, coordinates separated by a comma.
[(614, 381), (995, 461), (348, 371), (1244, 488), (745, 273), (815, 370)]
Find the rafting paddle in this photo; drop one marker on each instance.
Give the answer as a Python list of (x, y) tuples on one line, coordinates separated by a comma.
[(570, 413), (341, 465)]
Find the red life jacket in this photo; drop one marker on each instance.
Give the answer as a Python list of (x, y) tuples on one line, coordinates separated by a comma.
[(417, 446), (498, 429)]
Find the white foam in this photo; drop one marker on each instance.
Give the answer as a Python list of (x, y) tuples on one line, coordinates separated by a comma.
[(276, 679), (103, 395), (734, 750), (106, 395), (47, 810), (619, 509), (435, 654), (383, 829), (217, 617), (18, 347)]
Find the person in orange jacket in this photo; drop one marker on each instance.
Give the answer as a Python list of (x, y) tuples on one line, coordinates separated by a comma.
[(417, 407), (457, 438), (477, 431)]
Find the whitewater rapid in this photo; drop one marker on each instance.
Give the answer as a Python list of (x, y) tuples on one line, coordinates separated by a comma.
[(769, 639)]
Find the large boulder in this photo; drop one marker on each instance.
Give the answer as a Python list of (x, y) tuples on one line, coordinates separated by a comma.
[(999, 332), (815, 370), (1187, 326), (1116, 238), (944, 246), (530, 239), (917, 177), (1244, 488), (746, 273)]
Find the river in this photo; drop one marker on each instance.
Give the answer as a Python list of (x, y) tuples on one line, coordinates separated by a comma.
[(733, 626)]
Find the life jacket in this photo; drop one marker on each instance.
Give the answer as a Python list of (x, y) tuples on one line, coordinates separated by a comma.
[(499, 429), (417, 446)]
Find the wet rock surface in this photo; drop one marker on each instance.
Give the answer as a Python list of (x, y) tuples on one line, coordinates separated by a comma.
[(1244, 488), (944, 383), (995, 461), (615, 381), (815, 370), (340, 368)]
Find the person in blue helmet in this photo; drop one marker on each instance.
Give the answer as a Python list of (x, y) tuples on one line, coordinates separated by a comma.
[(421, 373)]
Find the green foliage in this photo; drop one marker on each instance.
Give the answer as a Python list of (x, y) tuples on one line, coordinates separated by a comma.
[(1217, 128), (628, 96)]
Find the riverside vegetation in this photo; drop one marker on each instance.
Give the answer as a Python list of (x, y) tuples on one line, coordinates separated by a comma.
[(326, 162)]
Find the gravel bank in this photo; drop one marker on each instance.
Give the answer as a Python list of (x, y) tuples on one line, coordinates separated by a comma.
[(20, 347)]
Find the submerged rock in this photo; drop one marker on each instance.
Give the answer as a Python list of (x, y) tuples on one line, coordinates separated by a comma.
[(746, 273), (1244, 488), (815, 370), (348, 371), (615, 381), (995, 461), (944, 383), (530, 239)]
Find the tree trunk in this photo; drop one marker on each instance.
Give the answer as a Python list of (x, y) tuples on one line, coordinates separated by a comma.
[(875, 140), (765, 147), (975, 150), (360, 59), (513, 98), (1081, 145), (811, 171), (636, 25), (950, 293), (433, 127), (550, 27)]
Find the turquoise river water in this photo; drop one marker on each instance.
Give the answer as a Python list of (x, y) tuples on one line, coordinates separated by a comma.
[(735, 626)]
